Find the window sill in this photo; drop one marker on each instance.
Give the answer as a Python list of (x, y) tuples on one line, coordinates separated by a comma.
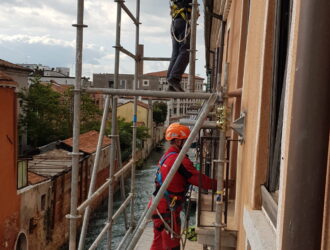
[(259, 232)]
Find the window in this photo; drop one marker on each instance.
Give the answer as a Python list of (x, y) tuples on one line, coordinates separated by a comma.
[(123, 84), (145, 83), (111, 84), (22, 180), (278, 92)]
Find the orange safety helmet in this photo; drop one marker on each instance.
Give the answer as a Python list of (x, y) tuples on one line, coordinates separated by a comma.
[(177, 131)]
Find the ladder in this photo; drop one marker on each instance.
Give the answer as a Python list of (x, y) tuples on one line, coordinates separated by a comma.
[(134, 231)]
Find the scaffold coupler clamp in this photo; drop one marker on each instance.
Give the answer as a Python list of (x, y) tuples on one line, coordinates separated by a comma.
[(219, 197), (221, 114), (73, 217)]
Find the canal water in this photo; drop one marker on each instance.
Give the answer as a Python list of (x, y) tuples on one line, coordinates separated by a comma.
[(144, 180), (144, 187)]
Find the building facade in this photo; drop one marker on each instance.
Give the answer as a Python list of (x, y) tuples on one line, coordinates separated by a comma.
[(10, 234), (273, 60)]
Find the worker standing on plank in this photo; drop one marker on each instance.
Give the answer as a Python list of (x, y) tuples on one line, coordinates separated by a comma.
[(166, 218), (180, 31)]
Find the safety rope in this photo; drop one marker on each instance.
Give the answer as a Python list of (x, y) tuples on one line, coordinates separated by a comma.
[(185, 227), (186, 32)]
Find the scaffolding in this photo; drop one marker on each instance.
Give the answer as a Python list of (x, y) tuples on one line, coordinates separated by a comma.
[(133, 230)]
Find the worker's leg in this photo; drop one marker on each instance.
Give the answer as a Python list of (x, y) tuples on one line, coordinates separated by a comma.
[(180, 53), (175, 53), (157, 243), (172, 243)]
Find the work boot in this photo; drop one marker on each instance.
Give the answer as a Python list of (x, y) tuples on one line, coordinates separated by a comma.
[(174, 86), (171, 89)]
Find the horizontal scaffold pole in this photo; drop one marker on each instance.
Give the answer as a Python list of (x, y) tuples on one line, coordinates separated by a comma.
[(203, 114), (151, 93), (156, 59)]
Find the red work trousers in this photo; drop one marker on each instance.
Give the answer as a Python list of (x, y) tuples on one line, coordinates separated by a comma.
[(162, 237)]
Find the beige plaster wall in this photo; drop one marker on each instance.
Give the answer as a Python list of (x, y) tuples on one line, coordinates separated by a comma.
[(255, 91)]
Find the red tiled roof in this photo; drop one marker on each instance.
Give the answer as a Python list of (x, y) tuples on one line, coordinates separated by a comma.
[(9, 65), (6, 80), (164, 74), (34, 178), (88, 141)]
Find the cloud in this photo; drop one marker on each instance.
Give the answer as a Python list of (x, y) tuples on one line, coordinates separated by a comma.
[(40, 31)]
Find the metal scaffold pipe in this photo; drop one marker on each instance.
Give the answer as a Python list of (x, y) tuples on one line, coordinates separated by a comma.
[(192, 57), (136, 79), (149, 93), (156, 59), (114, 126), (94, 173), (206, 107), (76, 127), (221, 162)]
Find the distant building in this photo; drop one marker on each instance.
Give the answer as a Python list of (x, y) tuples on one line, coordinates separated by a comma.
[(152, 81), (125, 111), (161, 76), (126, 81), (20, 75), (60, 75)]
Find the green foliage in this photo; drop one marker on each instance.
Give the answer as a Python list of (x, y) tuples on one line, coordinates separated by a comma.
[(159, 112), (42, 114), (126, 137), (48, 116)]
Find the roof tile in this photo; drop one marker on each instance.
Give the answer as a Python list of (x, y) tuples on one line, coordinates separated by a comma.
[(6, 80), (10, 65), (88, 141), (34, 178)]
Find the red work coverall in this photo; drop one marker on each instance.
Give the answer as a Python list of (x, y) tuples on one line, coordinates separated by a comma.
[(186, 174)]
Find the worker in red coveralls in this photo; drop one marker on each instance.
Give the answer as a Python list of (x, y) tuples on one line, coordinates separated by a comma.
[(166, 218)]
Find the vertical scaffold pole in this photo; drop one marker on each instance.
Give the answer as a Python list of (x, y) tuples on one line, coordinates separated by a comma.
[(114, 125), (136, 80), (203, 114), (94, 172), (192, 57), (73, 216), (220, 169)]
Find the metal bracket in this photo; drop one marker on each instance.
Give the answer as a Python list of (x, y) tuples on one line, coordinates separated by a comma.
[(238, 126), (216, 16)]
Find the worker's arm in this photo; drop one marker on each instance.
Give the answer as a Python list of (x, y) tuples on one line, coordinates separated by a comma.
[(188, 171)]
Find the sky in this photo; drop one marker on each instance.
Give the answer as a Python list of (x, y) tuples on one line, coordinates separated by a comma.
[(41, 32)]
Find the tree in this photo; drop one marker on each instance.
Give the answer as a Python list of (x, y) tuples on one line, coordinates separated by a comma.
[(42, 115), (159, 112), (48, 115), (126, 137)]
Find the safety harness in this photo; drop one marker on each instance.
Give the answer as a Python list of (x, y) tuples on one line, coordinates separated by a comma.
[(180, 8), (172, 199), (173, 203)]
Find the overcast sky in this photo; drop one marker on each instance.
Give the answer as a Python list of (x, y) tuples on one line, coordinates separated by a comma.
[(41, 32)]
